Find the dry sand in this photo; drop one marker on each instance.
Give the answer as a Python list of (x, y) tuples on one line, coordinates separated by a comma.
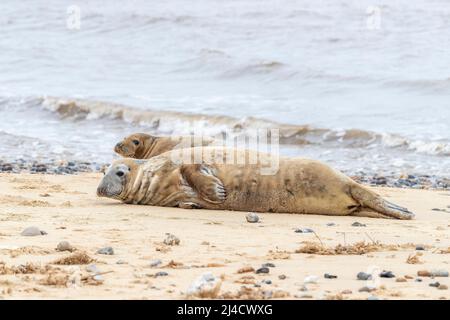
[(220, 242)]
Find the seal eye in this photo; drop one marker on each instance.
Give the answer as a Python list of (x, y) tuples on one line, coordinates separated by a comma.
[(119, 173), (136, 142)]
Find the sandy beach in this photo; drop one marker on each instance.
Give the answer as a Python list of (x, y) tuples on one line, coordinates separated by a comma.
[(220, 242)]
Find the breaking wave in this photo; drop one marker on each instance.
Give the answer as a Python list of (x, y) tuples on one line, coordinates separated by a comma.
[(171, 122)]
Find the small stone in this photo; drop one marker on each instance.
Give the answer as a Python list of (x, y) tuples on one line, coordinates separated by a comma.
[(121, 262), (92, 268), (400, 279), (98, 277), (206, 286), (252, 217), (443, 287), (303, 288), (106, 250), (246, 269), (32, 231), (263, 270), (331, 224), (282, 277), (363, 276), (310, 279), (409, 277), (268, 265), (329, 276), (304, 230), (435, 284), (267, 281), (155, 263), (420, 247), (171, 240), (358, 224), (433, 273), (161, 274), (64, 246), (367, 289), (346, 291), (418, 280), (387, 274)]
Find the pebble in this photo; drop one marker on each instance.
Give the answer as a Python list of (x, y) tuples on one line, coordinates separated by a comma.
[(106, 250), (433, 273), (303, 288), (64, 246), (305, 230), (252, 217), (32, 231), (171, 240), (418, 280), (263, 270), (367, 289), (347, 291), (92, 268), (282, 277), (358, 224), (161, 274), (207, 285), (387, 274), (268, 265), (329, 276), (435, 284), (310, 279), (98, 277), (443, 287), (155, 263), (331, 224), (363, 276), (267, 281), (419, 247), (121, 262), (400, 280)]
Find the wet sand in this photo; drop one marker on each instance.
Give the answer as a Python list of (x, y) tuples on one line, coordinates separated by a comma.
[(219, 242)]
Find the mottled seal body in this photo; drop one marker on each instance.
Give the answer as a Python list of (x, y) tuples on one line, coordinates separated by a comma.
[(145, 146), (299, 185)]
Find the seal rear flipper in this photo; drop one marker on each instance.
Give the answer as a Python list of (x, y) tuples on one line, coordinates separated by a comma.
[(375, 202), (201, 178)]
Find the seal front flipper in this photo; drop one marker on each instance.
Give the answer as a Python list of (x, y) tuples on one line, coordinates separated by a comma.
[(202, 179)]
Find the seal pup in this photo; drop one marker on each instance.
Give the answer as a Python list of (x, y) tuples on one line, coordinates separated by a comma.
[(145, 146), (298, 186)]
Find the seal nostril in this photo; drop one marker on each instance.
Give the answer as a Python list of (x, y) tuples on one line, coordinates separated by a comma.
[(119, 173)]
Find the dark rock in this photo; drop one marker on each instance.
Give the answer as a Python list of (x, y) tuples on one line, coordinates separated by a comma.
[(282, 277), (387, 274), (106, 250), (305, 230), (329, 276), (252, 217), (263, 270), (363, 276), (358, 224), (435, 284), (161, 274), (268, 265)]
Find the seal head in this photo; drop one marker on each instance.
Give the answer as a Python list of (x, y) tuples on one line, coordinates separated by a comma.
[(116, 178), (134, 146)]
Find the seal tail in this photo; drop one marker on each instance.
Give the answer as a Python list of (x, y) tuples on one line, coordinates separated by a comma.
[(371, 200)]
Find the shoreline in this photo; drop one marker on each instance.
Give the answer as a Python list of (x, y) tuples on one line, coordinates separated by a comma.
[(221, 243), (407, 180)]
